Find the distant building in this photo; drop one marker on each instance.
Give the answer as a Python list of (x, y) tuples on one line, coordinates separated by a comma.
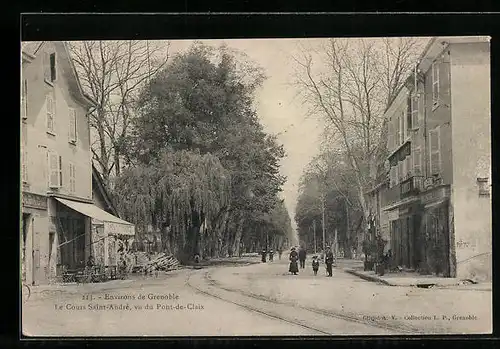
[(56, 170), (438, 196)]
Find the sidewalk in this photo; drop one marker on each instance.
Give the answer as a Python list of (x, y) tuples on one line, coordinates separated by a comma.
[(416, 280), (40, 292)]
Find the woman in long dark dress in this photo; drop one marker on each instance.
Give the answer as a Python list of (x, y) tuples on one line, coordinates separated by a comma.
[(294, 256)]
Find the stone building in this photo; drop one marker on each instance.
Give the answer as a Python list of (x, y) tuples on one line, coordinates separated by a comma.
[(57, 210), (438, 198)]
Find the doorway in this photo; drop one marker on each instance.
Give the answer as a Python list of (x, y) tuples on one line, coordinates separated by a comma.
[(26, 218)]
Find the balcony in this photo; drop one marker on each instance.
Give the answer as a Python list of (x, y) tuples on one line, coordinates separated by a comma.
[(411, 185)]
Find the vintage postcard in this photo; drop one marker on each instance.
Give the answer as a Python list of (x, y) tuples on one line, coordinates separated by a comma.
[(256, 187)]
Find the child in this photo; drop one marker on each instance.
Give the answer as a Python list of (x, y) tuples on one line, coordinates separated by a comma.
[(315, 265)]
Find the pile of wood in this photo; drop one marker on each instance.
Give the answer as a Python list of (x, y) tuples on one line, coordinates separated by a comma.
[(162, 262)]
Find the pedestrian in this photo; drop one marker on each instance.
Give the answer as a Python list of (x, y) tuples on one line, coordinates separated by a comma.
[(280, 251), (302, 257), (271, 255), (263, 255), (294, 269), (329, 261), (315, 265)]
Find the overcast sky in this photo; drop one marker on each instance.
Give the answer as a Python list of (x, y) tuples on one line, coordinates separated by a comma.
[(280, 111)]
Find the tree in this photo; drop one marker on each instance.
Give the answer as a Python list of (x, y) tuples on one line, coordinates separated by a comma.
[(202, 102), (112, 73), (175, 194), (351, 89)]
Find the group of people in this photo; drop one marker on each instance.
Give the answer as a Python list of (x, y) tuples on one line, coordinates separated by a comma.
[(301, 255), (264, 254)]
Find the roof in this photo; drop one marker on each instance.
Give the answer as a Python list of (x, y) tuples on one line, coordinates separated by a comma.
[(92, 211), (434, 47), (31, 48), (102, 189)]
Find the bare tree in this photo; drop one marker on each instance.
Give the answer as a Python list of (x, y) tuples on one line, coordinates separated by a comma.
[(350, 83), (112, 72)]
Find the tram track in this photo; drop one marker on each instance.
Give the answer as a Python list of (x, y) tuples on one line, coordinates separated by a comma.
[(254, 309), (315, 315)]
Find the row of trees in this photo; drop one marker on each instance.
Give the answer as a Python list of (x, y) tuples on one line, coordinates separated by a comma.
[(189, 157), (349, 84)]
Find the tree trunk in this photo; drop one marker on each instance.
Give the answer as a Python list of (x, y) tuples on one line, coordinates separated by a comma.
[(103, 156), (237, 238), (117, 160)]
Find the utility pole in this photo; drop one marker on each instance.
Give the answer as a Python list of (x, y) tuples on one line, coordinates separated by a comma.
[(323, 220), (336, 246), (314, 231), (347, 234)]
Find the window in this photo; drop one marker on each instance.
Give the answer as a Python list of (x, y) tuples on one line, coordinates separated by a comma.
[(52, 67), (72, 125), (24, 153), (396, 174), (396, 136), (392, 176), (55, 170), (24, 163), (72, 177), (50, 107), (409, 114), (24, 100), (435, 153), (414, 112), (435, 84), (401, 170), (417, 161), (390, 140), (49, 67), (484, 186), (402, 130)]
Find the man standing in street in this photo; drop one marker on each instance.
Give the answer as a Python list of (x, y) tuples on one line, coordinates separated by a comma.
[(302, 257), (329, 261)]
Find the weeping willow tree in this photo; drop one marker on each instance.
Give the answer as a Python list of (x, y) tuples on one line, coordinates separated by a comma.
[(175, 194)]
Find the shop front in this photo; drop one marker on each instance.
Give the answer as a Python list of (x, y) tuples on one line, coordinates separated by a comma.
[(107, 239), (436, 228), (34, 238)]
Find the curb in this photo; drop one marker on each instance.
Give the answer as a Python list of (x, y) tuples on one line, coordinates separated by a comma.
[(369, 277), (377, 279)]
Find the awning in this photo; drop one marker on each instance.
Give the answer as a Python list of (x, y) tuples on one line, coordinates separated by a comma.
[(113, 224)]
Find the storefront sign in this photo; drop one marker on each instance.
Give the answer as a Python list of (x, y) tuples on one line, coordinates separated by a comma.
[(34, 201), (118, 229)]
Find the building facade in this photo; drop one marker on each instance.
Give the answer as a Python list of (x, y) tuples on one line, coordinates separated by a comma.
[(56, 167), (437, 200)]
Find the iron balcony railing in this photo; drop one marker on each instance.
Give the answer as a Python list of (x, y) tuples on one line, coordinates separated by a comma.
[(411, 185)]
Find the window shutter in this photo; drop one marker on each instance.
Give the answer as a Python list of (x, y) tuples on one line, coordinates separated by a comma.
[(50, 112), (24, 99), (435, 156), (415, 112), (72, 177), (435, 83), (24, 154), (53, 67), (46, 66), (409, 113), (72, 125), (392, 174), (417, 167), (53, 170), (396, 126), (60, 172), (397, 170), (390, 140)]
